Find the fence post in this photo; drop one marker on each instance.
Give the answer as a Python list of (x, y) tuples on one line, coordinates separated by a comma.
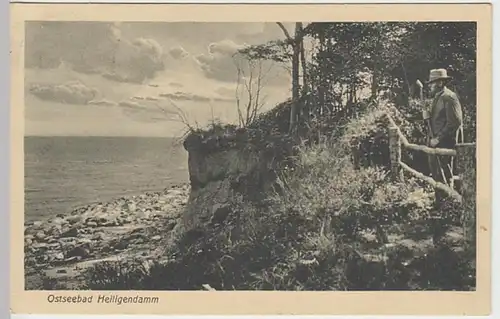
[(355, 155), (466, 170), (460, 166), (395, 153)]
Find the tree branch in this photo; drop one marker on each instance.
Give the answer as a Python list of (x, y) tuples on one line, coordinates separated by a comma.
[(285, 31)]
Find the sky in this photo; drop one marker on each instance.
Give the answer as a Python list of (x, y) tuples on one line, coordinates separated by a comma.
[(134, 79)]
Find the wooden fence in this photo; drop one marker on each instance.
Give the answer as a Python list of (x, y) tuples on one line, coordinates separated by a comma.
[(462, 151)]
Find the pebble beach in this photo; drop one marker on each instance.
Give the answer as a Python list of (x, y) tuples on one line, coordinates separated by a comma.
[(127, 227)]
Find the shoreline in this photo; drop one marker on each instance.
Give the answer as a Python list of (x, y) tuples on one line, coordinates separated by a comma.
[(44, 218), (61, 247)]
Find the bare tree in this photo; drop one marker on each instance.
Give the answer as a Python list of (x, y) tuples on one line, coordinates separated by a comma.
[(277, 51), (298, 47), (249, 89)]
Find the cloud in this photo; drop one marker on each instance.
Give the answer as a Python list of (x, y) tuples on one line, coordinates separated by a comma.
[(178, 53), (224, 99), (73, 92), (184, 96), (176, 85), (219, 62), (102, 102), (224, 91), (148, 111), (222, 62), (132, 105), (147, 98), (135, 61), (92, 48), (224, 47)]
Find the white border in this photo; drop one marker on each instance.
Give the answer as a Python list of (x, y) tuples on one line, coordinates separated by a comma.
[(4, 156)]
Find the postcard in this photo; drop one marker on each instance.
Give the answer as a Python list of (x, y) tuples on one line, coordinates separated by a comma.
[(251, 159)]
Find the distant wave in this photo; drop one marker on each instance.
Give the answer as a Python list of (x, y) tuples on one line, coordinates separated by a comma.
[(35, 190)]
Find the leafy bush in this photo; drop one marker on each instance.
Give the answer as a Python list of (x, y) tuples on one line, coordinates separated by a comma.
[(326, 185)]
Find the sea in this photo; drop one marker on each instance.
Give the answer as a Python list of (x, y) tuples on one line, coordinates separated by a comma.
[(63, 173)]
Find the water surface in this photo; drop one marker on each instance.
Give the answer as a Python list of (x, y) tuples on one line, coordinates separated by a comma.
[(62, 173)]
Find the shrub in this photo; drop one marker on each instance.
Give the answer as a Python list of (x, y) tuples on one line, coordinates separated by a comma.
[(325, 185)]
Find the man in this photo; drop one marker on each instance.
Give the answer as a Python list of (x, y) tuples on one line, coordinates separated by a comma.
[(446, 128)]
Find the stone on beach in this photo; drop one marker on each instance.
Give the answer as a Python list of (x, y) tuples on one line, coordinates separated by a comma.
[(40, 245), (81, 251), (58, 221), (55, 230), (131, 206), (171, 225), (91, 224), (40, 235), (72, 232), (98, 236), (57, 256), (67, 241), (74, 219)]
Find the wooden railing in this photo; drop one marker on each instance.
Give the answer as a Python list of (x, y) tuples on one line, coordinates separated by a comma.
[(397, 141)]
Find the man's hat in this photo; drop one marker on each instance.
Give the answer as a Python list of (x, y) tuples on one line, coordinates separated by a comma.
[(438, 74)]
